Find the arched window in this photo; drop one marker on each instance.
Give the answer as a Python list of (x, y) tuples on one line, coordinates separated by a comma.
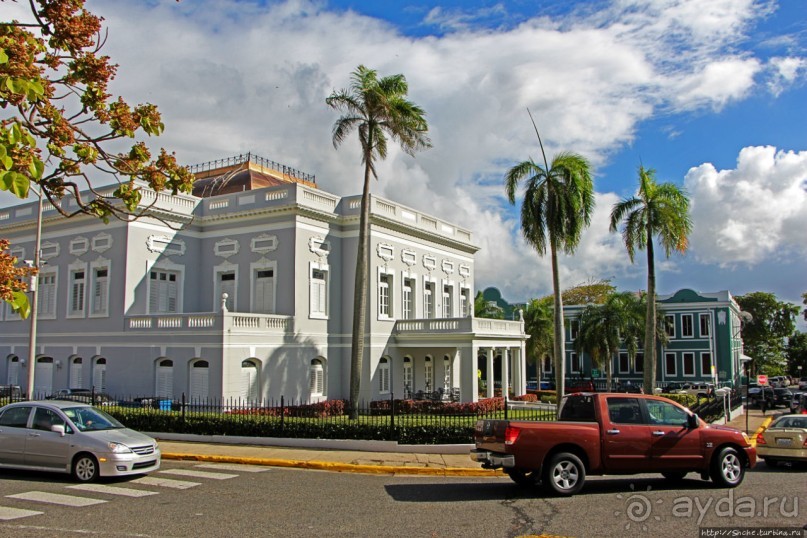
[(383, 376), (99, 375), (199, 382), (428, 374), (43, 376), (408, 377), (76, 373), (13, 370), (316, 378), (250, 382), (164, 379)]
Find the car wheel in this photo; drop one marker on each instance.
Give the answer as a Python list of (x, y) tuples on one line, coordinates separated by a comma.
[(727, 468), (523, 477), (85, 468), (770, 462), (564, 474), (674, 476)]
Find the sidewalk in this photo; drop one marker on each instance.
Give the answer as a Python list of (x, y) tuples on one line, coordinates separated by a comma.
[(457, 463)]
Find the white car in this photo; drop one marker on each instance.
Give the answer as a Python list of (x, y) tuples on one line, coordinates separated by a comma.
[(71, 437)]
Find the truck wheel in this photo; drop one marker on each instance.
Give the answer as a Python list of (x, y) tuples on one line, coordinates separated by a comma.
[(564, 474), (523, 477), (674, 476), (727, 468)]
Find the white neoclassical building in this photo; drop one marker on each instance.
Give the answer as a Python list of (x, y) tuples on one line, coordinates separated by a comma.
[(245, 290)]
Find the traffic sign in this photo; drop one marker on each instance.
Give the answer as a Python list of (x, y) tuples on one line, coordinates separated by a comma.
[(762, 379)]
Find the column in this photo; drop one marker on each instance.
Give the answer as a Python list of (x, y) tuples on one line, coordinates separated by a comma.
[(489, 377), (505, 370)]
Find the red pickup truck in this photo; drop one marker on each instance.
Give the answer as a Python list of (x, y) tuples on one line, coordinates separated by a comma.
[(609, 433)]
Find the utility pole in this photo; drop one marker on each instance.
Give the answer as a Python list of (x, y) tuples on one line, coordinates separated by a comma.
[(34, 285)]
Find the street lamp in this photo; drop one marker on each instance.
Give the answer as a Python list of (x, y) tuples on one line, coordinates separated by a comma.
[(34, 278)]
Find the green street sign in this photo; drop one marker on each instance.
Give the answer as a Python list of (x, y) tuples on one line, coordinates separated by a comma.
[(595, 372)]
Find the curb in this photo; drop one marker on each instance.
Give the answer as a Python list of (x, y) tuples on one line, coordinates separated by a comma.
[(762, 428), (340, 467)]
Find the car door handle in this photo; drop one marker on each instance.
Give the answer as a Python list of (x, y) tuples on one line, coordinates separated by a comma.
[(33, 434), (612, 432), (658, 433)]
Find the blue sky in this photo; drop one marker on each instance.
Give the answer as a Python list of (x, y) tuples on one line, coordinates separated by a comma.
[(710, 93)]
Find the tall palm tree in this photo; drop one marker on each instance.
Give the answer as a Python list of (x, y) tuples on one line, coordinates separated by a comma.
[(538, 324), (558, 202), (377, 109), (606, 328), (657, 210)]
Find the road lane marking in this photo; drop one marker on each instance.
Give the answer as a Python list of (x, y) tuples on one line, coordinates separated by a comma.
[(165, 482), (112, 490), (55, 498), (7, 513), (242, 467), (198, 474)]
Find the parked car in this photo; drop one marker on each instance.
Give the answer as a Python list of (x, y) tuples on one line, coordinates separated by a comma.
[(784, 440), (801, 404), (794, 401), (673, 387), (75, 438), (755, 395), (580, 385), (803, 383), (610, 433), (84, 396), (782, 397), (10, 393), (699, 390)]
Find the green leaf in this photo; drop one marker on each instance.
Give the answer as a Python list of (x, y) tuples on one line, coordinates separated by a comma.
[(36, 168), (5, 181), (19, 304), (3, 56), (19, 185)]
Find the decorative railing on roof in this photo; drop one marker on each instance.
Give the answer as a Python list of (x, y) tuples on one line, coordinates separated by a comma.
[(249, 157)]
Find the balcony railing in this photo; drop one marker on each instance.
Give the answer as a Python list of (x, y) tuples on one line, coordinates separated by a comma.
[(218, 321)]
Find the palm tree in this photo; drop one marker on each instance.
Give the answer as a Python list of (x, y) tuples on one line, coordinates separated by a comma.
[(538, 324), (377, 109), (658, 209), (558, 202), (606, 328)]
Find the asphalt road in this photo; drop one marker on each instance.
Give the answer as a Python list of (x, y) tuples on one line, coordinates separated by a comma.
[(225, 501)]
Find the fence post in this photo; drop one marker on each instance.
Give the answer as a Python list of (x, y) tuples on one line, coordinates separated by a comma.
[(505, 406), (183, 409), (392, 416), (92, 395), (282, 413)]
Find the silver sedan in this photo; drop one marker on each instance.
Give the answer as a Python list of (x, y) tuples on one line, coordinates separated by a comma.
[(74, 438)]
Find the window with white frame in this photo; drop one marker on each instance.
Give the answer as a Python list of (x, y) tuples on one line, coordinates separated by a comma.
[(199, 380), (77, 293), (447, 373), (428, 300), (163, 291), (319, 292), (465, 302), (408, 377), (46, 295), (408, 298), (428, 374), (448, 300), (706, 364), (547, 365), (100, 291), (638, 363), (705, 325), (624, 363), (225, 283), (669, 364), (76, 379), (316, 378), (384, 296), (687, 328), (575, 359), (669, 325), (689, 364), (99, 375), (383, 376), (574, 328), (263, 291)]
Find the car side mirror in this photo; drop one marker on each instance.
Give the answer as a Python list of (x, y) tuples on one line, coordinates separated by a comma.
[(692, 421), (58, 428)]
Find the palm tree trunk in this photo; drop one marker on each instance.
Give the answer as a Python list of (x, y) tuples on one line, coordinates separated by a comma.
[(360, 298), (608, 374), (559, 347), (650, 323)]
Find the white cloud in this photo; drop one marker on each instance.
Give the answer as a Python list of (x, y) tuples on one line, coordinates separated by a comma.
[(785, 71), (753, 214)]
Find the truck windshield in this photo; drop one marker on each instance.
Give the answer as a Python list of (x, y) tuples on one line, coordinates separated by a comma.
[(577, 408)]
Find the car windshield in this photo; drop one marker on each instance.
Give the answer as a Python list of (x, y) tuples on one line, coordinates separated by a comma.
[(91, 419), (790, 422)]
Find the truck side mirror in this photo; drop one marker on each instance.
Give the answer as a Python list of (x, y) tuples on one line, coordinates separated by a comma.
[(692, 421)]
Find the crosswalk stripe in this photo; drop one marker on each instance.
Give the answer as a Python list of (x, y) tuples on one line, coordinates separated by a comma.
[(112, 490), (235, 467), (164, 482), (198, 474), (7, 513), (55, 498)]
